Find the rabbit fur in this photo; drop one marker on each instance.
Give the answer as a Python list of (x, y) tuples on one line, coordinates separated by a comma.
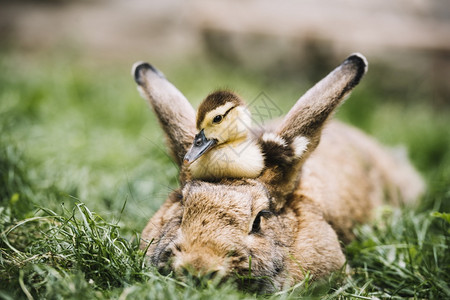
[(292, 219)]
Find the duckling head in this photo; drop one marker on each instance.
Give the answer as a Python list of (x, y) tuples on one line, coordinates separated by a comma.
[(222, 119)]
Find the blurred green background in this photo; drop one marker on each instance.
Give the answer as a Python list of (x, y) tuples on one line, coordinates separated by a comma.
[(74, 128)]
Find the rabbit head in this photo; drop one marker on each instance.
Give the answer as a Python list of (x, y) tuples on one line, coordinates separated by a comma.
[(231, 228), (275, 227), (219, 233)]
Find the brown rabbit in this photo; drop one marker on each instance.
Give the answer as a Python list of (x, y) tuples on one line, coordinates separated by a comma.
[(288, 221)]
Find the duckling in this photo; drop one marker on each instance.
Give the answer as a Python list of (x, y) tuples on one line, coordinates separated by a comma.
[(225, 146)]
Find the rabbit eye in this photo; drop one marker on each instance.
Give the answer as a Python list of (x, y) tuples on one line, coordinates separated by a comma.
[(217, 119), (256, 227)]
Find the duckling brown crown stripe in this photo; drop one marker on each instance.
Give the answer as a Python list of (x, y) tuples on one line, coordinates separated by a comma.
[(215, 100)]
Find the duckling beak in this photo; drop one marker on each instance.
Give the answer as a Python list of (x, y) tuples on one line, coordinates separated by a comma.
[(200, 146)]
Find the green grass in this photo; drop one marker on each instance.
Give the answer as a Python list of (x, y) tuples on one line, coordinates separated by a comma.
[(83, 167)]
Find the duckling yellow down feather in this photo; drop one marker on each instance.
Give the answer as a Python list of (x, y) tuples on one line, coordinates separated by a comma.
[(224, 146)]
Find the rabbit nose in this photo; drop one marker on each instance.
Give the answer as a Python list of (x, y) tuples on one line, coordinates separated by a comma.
[(200, 277), (200, 267), (188, 271), (200, 261)]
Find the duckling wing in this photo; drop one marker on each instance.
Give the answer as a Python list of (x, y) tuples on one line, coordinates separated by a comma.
[(277, 152)]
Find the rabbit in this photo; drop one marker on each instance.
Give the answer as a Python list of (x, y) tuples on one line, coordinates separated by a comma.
[(292, 219)]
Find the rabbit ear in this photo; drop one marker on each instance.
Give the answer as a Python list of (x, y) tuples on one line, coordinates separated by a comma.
[(299, 132), (176, 115), (309, 114)]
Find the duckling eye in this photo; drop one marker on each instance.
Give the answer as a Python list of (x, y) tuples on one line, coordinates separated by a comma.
[(217, 119)]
